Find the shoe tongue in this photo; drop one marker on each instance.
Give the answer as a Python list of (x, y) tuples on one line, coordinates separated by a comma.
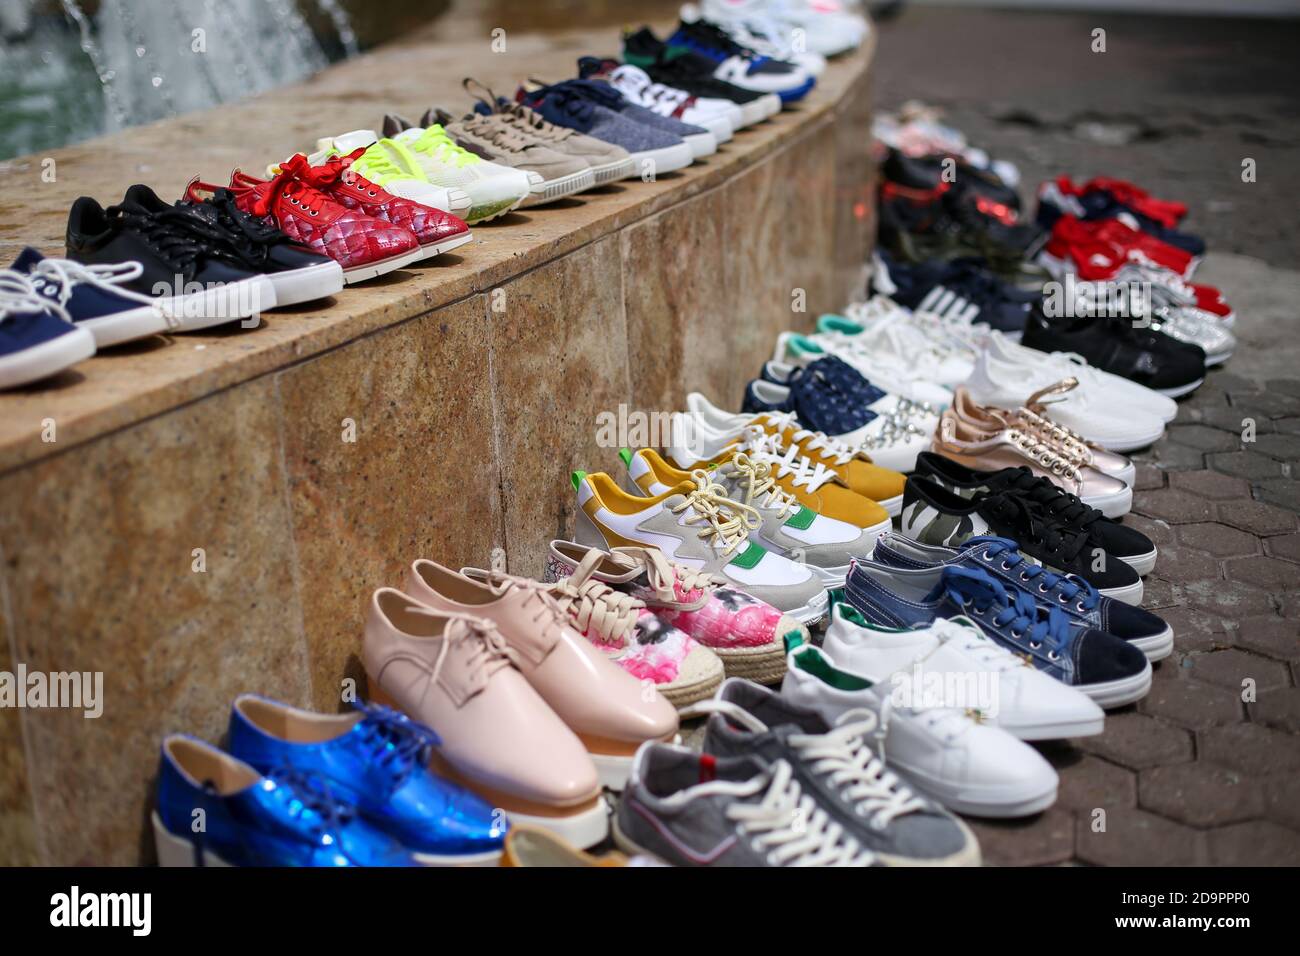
[(27, 260), (394, 124), (347, 142)]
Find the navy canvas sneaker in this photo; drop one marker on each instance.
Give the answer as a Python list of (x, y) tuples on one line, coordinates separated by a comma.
[(573, 107), (1108, 669), (95, 297), (702, 141), (963, 289), (37, 336), (1072, 594), (836, 373)]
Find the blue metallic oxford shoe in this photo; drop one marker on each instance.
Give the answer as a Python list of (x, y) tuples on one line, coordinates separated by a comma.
[(376, 759), (214, 810)]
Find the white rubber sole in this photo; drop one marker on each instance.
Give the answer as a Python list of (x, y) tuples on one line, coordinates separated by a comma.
[(719, 126), (969, 855), (771, 104), (1060, 730), (552, 189), (1129, 594), (755, 111), (295, 286), (1117, 693), (491, 858), (614, 769), (583, 829), (458, 201), (1127, 475), (446, 245), (1158, 646), (1143, 564), (668, 159), (231, 302), (48, 358), (893, 506), (1011, 800), (1218, 358), (1177, 392), (1131, 443), (813, 611), (613, 172), (139, 323), (1115, 505), (372, 270), (701, 144), (177, 851)]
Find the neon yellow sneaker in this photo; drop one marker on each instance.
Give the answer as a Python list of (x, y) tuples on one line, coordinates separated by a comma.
[(379, 165), (494, 190)]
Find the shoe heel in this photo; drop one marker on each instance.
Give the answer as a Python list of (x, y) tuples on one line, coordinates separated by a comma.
[(177, 851)]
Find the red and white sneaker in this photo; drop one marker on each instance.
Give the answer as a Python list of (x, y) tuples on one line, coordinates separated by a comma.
[(1095, 251), (437, 231), (364, 246)]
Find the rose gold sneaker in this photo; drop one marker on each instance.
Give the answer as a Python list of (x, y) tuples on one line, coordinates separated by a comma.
[(611, 712), (1010, 446), (455, 673), (1035, 417)]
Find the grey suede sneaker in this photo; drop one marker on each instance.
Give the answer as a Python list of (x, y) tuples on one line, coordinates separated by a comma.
[(835, 767), (691, 809)]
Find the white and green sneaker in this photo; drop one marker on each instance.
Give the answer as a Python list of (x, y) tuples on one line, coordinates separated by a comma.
[(380, 165)]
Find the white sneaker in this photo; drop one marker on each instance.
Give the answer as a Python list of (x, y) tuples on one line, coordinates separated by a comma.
[(955, 654), (1002, 377), (967, 766), (820, 30), (494, 190), (766, 36), (882, 369), (377, 165)]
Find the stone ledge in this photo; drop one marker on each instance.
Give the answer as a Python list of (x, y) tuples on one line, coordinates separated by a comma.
[(126, 385)]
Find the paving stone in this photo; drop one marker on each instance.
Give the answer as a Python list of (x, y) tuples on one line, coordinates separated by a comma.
[(1196, 630), (1231, 383), (1271, 573), (1138, 741), (1229, 419), (1184, 564), (1256, 516), (1148, 477), (1229, 668), (1090, 782), (1176, 507), (1270, 635), (1192, 703), (1138, 838), (1174, 457), (1265, 404), (1229, 599), (1258, 843), (1160, 532), (1042, 840), (1250, 749), (1283, 492), (1282, 799), (1281, 447), (1287, 426), (1284, 546), (1217, 539), (1203, 438), (1158, 594), (1246, 464), (1210, 484), (1278, 708), (1290, 605), (1200, 794), (1287, 386)]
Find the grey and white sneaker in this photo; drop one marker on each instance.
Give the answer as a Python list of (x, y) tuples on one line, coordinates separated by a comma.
[(698, 525), (839, 770), (827, 546), (692, 809)]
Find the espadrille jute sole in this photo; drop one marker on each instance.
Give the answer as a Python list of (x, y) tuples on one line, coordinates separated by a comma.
[(765, 664)]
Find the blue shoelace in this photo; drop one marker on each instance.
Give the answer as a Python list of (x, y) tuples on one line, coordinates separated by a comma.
[(1067, 587), (972, 588)]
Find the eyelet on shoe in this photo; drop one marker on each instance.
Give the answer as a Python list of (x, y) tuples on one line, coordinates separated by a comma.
[(1081, 607), (986, 556), (372, 193), (315, 212), (1042, 589), (1005, 566), (1016, 637), (1063, 599), (1035, 646), (1053, 656)]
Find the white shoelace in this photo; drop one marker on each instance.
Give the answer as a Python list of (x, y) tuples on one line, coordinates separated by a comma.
[(18, 296), (970, 641), (62, 276), (768, 448)]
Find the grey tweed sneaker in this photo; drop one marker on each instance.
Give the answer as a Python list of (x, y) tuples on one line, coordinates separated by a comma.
[(835, 766), (691, 809)]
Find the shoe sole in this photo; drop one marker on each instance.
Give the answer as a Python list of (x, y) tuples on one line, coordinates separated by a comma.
[(231, 302), (1143, 564), (1115, 505), (763, 665), (552, 189), (126, 326), (684, 694), (372, 270), (1013, 802), (667, 159), (48, 358), (458, 202), (446, 245), (295, 286), (486, 212), (1130, 444), (968, 855), (701, 144), (1061, 730), (1158, 646), (1178, 391), (719, 126), (1129, 593), (754, 112), (1117, 693), (613, 172), (583, 830)]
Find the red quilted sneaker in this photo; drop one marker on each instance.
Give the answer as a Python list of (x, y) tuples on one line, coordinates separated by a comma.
[(437, 231), (364, 246)]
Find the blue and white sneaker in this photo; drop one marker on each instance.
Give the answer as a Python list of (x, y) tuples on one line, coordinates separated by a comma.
[(740, 65), (94, 297), (1074, 596), (214, 810), (378, 761), (37, 337), (1106, 668)]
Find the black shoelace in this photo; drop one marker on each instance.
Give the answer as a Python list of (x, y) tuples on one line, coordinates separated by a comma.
[(1069, 508), (1035, 526), (250, 236), (176, 236)]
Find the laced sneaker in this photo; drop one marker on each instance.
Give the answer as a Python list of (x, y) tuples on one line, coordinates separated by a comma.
[(765, 35), (1108, 669), (377, 760), (608, 162), (933, 515), (188, 266), (833, 764), (746, 634), (963, 290), (691, 809), (989, 683), (720, 117), (883, 368), (1075, 597), (390, 165), (1093, 250), (824, 545), (1054, 201), (826, 29), (631, 635), (698, 525), (938, 749), (37, 336), (738, 64)]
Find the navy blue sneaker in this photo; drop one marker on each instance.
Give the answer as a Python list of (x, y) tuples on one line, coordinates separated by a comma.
[(817, 404), (738, 64), (214, 810), (1072, 594), (37, 336), (378, 761), (964, 289), (838, 375), (1108, 669), (94, 297)]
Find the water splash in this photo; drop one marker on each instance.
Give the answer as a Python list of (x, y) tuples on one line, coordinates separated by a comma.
[(342, 25)]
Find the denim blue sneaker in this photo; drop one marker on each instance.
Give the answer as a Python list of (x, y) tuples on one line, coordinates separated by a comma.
[(575, 107), (817, 403), (837, 374), (376, 760), (94, 297), (37, 336), (1108, 669), (214, 810), (1074, 596), (702, 142)]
